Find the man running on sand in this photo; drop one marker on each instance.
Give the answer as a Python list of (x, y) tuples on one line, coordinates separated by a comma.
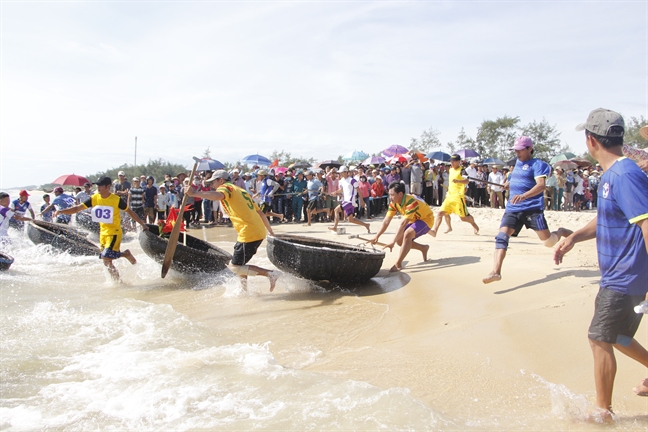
[(249, 222), (106, 211), (526, 205), (349, 192), (417, 220), (454, 201), (621, 231)]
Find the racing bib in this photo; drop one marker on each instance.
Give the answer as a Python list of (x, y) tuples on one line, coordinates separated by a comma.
[(103, 214)]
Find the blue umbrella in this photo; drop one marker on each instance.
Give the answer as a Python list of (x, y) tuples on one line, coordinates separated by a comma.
[(207, 164), (355, 156), (493, 161), (256, 159), (467, 153), (392, 151), (438, 156)]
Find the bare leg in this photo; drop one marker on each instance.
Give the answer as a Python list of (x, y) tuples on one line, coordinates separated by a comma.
[(604, 372), (437, 223), (129, 256), (272, 275), (471, 221), (498, 259), (446, 217), (336, 212), (114, 274), (352, 219)]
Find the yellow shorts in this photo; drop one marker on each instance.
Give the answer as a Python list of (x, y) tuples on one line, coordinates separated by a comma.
[(455, 205), (110, 245)]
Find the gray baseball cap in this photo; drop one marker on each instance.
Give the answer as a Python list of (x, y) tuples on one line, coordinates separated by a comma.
[(601, 120), (219, 174)]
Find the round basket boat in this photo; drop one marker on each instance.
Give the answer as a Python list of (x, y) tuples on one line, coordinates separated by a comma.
[(61, 237), (5, 261), (84, 220), (323, 260), (191, 254)]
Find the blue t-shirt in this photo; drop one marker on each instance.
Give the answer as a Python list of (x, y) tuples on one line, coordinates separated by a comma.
[(523, 179), (622, 202), (313, 187), (62, 202)]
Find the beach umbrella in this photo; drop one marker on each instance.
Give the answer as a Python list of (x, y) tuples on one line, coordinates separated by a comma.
[(565, 165), (467, 153), (373, 160), (355, 156), (329, 163), (207, 164), (280, 169), (399, 158), (438, 156), (511, 162), (394, 150), (493, 161), (300, 164), (582, 163), (256, 159), (71, 180), (562, 156)]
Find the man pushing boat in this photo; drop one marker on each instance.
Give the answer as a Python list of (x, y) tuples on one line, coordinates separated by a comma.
[(106, 211), (249, 222)]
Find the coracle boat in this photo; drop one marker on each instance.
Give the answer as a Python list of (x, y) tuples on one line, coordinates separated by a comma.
[(323, 260), (84, 220), (5, 261), (191, 254), (61, 237)]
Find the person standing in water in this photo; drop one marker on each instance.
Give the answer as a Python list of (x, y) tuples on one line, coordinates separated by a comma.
[(526, 205), (417, 220), (249, 222), (106, 208), (455, 201), (621, 231)]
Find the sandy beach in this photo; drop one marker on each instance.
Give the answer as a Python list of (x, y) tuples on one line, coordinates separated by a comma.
[(516, 349)]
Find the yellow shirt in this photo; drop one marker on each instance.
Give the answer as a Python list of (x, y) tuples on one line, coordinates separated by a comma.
[(106, 211), (412, 209), (455, 189), (242, 211)]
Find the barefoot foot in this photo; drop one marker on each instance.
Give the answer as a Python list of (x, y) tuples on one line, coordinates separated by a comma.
[(395, 268), (273, 276), (332, 228), (493, 277), (449, 230), (642, 389), (476, 230), (432, 233), (425, 251), (129, 256)]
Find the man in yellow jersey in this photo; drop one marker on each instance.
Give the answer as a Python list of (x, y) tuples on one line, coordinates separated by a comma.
[(105, 210), (249, 222), (417, 221), (454, 201)]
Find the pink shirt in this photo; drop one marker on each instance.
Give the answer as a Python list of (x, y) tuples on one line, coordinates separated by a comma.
[(333, 185), (364, 187)]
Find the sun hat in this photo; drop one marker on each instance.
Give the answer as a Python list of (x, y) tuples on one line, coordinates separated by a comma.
[(522, 142), (344, 168), (602, 122), (262, 173), (121, 173), (23, 193)]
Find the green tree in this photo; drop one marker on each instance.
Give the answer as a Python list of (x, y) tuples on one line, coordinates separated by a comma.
[(546, 139), (428, 140), (286, 159), (155, 167), (632, 136), (206, 154), (495, 137), (463, 141)]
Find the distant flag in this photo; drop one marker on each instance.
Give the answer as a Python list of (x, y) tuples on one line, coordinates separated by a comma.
[(275, 163), (171, 220)]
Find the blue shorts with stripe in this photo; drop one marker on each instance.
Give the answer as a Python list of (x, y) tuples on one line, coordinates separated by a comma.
[(531, 219)]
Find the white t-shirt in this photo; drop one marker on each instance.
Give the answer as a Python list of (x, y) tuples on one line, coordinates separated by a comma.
[(497, 177), (5, 216), (349, 190)]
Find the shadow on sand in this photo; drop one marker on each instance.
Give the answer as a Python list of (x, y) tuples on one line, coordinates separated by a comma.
[(553, 277)]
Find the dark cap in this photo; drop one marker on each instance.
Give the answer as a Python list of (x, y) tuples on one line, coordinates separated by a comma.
[(104, 181), (455, 157)]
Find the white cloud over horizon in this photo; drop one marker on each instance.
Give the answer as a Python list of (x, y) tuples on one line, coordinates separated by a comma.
[(81, 80)]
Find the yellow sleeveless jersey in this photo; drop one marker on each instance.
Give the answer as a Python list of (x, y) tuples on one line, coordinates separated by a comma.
[(242, 211), (455, 189), (106, 212)]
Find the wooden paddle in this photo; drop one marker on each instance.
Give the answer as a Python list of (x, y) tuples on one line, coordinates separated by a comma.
[(175, 232), (357, 236), (484, 181)]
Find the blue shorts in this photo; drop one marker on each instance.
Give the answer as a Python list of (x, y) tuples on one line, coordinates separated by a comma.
[(531, 219), (419, 228)]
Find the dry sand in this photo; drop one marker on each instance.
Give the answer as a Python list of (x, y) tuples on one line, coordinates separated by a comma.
[(513, 354)]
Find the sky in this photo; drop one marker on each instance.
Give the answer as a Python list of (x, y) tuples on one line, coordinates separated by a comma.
[(80, 80)]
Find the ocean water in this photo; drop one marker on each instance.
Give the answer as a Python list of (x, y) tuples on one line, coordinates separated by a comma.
[(196, 352)]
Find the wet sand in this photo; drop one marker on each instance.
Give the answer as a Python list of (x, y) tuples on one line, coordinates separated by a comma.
[(513, 353)]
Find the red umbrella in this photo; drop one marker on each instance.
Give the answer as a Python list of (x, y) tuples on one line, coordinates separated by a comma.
[(71, 180)]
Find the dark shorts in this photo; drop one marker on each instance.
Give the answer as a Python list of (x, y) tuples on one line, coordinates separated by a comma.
[(419, 228), (243, 252), (615, 320), (533, 219), (266, 207), (313, 204)]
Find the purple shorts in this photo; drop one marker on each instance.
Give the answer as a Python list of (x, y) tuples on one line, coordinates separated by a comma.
[(419, 228), (347, 207)]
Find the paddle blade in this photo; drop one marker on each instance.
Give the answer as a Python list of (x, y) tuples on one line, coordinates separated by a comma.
[(175, 233)]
